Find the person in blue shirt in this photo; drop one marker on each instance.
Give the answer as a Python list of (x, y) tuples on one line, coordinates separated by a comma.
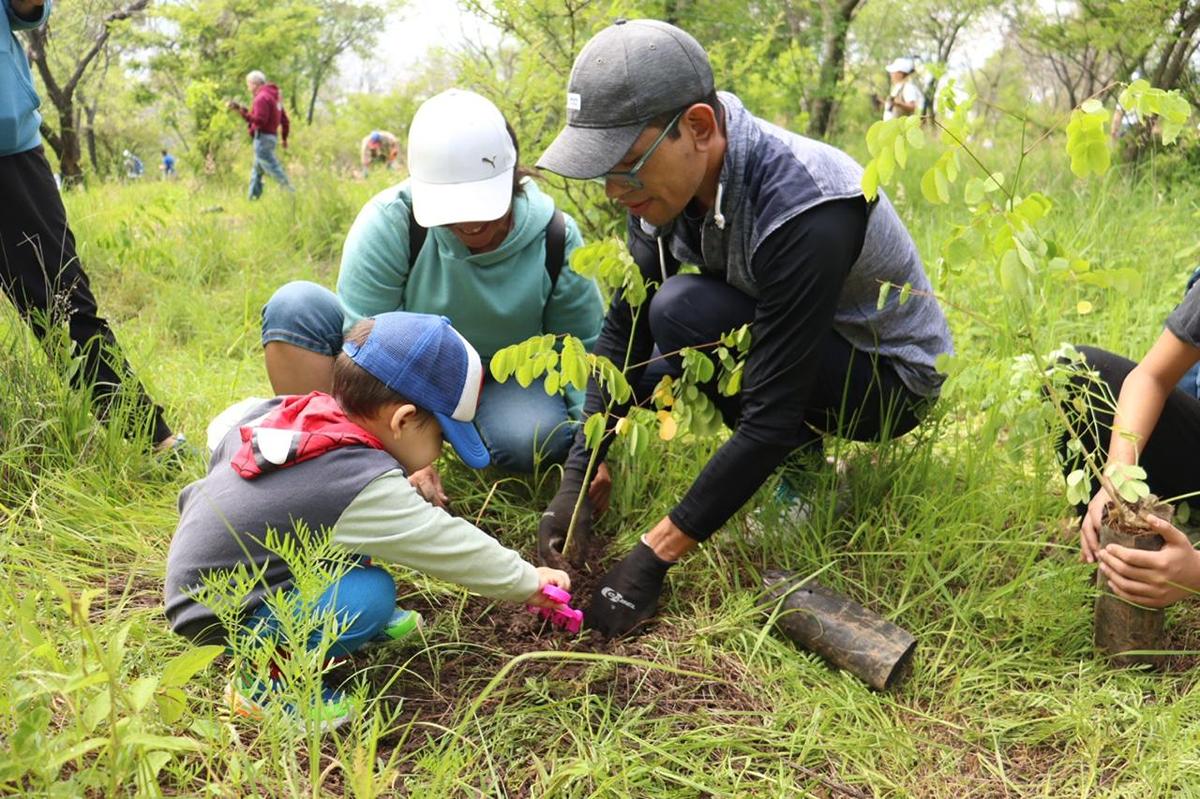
[(40, 271), (168, 165)]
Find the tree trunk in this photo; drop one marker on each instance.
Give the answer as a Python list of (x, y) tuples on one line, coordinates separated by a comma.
[(89, 134), (318, 79), (62, 95), (1176, 54), (70, 154), (833, 61)]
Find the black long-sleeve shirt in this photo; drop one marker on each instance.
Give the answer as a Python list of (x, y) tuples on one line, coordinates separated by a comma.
[(799, 270)]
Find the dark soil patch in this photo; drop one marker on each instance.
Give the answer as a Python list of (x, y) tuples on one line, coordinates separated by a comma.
[(129, 591), (439, 684)]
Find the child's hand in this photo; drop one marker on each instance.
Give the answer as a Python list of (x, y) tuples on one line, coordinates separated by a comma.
[(1153, 579), (428, 483), (546, 577)]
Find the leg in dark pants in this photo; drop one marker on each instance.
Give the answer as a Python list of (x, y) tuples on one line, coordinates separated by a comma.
[(41, 274), (1169, 455), (857, 395)]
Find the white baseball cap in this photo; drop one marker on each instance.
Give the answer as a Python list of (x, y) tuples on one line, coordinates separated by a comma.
[(460, 160), (905, 65)]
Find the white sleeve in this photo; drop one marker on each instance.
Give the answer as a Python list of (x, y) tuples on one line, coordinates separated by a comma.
[(912, 94), (390, 521), (219, 427)]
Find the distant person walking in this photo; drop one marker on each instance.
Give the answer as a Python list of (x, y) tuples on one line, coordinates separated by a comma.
[(134, 168), (268, 122), (168, 165), (380, 145), (39, 269), (905, 97)]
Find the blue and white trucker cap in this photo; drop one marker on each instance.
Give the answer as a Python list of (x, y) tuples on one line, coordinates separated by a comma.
[(421, 357)]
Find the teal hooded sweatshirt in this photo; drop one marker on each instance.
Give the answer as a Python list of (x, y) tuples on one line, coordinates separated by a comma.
[(19, 117), (494, 298)]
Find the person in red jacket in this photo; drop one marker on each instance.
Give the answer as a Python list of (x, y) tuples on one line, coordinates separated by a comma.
[(267, 122)]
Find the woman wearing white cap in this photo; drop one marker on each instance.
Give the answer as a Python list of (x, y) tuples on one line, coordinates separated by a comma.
[(905, 97), (488, 250)]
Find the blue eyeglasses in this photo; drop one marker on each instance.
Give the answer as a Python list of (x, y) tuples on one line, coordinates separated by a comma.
[(630, 179)]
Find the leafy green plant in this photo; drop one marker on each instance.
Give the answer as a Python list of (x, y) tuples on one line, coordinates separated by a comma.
[(1006, 231), (270, 656), (681, 405), (118, 720)]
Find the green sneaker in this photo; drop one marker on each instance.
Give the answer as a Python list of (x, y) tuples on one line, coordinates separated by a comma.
[(249, 697), (403, 624)]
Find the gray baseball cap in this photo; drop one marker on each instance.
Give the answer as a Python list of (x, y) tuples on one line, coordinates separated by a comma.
[(626, 75)]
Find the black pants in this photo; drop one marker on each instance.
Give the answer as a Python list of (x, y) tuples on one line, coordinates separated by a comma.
[(40, 272), (857, 395), (1169, 457)]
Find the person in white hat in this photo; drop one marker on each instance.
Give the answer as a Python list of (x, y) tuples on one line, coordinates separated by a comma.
[(468, 236), (905, 97)]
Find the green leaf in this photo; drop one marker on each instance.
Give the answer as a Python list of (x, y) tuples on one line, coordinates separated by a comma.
[(1092, 106), (186, 665), (1098, 157), (870, 181), (551, 383), (525, 374), (873, 137), (734, 384), (884, 289), (905, 292), (942, 184), (973, 192), (140, 692), (915, 136), (96, 710), (593, 430), (901, 152), (167, 743), (56, 759), (1013, 277), (172, 703), (501, 366), (887, 166), (929, 186)]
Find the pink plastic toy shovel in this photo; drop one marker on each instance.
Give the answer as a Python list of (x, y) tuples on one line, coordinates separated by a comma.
[(565, 617)]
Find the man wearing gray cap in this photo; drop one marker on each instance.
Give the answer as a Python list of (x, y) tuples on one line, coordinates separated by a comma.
[(785, 242)]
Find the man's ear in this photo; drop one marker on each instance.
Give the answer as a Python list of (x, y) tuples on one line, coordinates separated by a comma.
[(701, 122), (403, 418)]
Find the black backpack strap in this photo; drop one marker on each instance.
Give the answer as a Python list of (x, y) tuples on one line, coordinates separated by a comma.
[(416, 240), (556, 245)]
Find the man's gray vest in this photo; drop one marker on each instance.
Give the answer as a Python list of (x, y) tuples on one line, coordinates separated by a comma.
[(224, 518), (770, 176)]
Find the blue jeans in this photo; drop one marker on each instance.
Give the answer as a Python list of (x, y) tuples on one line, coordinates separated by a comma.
[(265, 160), (519, 426), (363, 601)]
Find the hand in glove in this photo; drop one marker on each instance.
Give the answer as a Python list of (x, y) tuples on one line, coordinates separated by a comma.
[(552, 530), (628, 594)]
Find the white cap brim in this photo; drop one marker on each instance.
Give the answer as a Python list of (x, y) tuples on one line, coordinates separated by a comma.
[(437, 204)]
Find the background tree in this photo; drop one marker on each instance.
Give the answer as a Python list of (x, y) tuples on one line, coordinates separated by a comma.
[(836, 16), (342, 26), (63, 52)]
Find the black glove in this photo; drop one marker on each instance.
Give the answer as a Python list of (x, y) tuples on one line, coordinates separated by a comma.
[(552, 530), (628, 594)]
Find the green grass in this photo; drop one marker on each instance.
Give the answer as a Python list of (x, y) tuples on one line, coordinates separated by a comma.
[(954, 533)]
